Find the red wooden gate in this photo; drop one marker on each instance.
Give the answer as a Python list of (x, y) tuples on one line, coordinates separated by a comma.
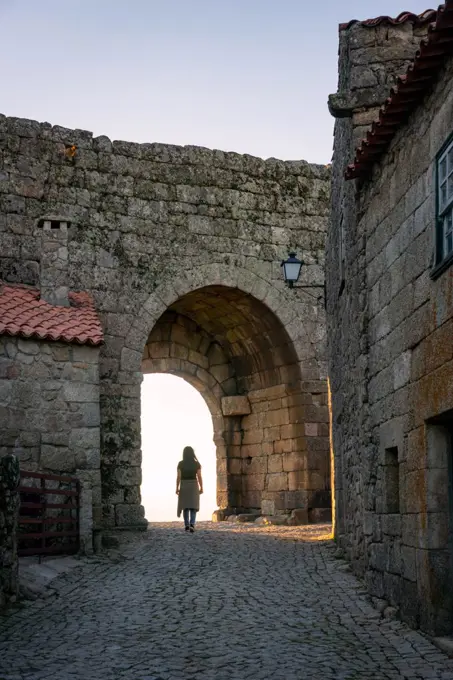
[(49, 514)]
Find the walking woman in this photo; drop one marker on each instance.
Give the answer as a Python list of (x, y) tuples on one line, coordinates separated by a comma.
[(189, 486)]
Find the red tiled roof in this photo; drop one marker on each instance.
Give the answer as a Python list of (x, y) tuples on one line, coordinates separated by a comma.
[(23, 313), (410, 90), (428, 15)]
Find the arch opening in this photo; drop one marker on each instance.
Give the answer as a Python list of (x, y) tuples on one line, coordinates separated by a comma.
[(230, 345), (174, 415)]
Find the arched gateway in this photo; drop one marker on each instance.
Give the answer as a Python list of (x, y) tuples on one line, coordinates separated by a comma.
[(151, 257), (241, 342)]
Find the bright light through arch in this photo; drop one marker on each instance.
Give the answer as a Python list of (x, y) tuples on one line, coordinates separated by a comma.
[(174, 415)]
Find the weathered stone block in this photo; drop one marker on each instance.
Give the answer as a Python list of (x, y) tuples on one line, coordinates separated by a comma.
[(88, 414), (132, 495), (297, 479), (375, 583), (311, 429), (414, 491), (409, 563), (276, 418), (285, 500), (402, 370), (391, 525), (236, 406), (393, 555), (28, 346), (320, 515), (55, 438), (128, 476), (6, 388), (131, 516), (411, 530), (87, 458), (232, 465), (392, 585), (218, 516), (80, 392), (275, 463), (298, 517), (284, 445), (246, 517), (255, 465), (277, 481), (275, 520), (84, 437), (253, 482), (130, 359), (57, 458), (435, 531), (254, 437), (294, 462)]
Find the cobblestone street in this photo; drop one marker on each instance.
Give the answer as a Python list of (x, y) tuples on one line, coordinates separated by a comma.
[(231, 602)]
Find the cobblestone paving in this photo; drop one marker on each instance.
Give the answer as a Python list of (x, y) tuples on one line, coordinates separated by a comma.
[(227, 603)]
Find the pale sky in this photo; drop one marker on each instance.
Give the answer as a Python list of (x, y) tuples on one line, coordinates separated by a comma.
[(251, 76)]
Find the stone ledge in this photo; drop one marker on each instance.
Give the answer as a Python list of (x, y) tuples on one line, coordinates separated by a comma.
[(156, 152), (342, 104), (236, 406)]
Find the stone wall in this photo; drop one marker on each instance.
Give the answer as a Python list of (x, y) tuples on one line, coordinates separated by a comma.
[(390, 365), (160, 229), (382, 52), (9, 512), (49, 410)]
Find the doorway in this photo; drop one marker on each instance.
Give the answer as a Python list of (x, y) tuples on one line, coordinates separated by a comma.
[(174, 415)]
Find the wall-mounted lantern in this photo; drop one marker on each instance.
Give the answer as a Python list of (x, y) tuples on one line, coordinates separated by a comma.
[(291, 269)]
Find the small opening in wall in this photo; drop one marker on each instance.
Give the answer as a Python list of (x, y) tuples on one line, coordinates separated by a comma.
[(439, 442), (392, 480), (54, 224), (439, 519)]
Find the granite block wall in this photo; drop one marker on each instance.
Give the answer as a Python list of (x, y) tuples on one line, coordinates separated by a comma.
[(389, 317)]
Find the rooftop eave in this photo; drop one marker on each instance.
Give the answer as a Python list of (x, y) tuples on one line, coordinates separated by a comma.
[(425, 17), (409, 92)]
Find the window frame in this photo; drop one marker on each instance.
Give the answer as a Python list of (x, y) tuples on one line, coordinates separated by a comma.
[(441, 263)]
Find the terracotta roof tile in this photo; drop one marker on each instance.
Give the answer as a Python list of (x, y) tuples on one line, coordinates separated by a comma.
[(23, 313), (428, 15), (410, 90)]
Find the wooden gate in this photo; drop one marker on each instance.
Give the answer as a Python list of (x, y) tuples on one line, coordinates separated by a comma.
[(49, 514)]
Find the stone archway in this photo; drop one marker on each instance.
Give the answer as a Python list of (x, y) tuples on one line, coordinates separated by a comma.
[(245, 344)]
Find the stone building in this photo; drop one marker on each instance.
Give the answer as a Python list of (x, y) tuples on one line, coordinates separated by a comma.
[(49, 374), (390, 310), (177, 253)]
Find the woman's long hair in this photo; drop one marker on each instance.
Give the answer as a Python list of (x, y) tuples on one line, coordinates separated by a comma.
[(189, 460), (188, 455)]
